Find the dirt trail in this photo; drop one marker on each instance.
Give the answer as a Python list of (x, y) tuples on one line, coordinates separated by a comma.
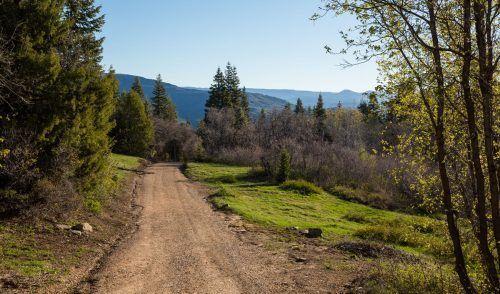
[(182, 246)]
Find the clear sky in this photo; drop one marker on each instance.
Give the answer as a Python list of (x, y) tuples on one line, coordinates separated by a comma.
[(271, 42)]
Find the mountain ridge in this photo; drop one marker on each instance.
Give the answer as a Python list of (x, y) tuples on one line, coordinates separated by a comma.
[(190, 101)]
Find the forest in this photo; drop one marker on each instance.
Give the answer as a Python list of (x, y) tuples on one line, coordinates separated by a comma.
[(423, 147)]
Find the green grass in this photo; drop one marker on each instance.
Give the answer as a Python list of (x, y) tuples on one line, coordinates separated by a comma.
[(22, 256), (272, 206), (121, 162)]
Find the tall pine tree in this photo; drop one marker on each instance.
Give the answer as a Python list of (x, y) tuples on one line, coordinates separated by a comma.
[(57, 50), (320, 115), (163, 107), (218, 92), (299, 107)]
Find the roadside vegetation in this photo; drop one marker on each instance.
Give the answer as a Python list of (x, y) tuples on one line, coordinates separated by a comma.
[(280, 207), (33, 251)]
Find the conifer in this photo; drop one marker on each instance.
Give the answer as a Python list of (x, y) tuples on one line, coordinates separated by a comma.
[(299, 107), (284, 167), (163, 107), (134, 129)]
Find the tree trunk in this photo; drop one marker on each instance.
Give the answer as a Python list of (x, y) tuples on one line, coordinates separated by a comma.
[(486, 70), (460, 265)]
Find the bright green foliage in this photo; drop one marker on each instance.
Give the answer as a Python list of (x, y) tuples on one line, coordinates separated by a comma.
[(272, 206), (299, 107), (285, 167), (163, 107), (123, 164), (134, 129)]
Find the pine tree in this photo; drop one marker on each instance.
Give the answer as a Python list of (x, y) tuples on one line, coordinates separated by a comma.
[(320, 115), (284, 170), (299, 107), (218, 92), (57, 50), (319, 110), (233, 87), (163, 107), (134, 130), (137, 87)]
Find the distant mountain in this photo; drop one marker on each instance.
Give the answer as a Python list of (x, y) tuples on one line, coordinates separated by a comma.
[(347, 98), (190, 102)]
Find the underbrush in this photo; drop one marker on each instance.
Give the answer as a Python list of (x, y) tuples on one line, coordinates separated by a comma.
[(374, 199), (301, 186), (429, 238), (409, 278)]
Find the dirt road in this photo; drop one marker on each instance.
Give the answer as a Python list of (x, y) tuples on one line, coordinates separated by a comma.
[(182, 246)]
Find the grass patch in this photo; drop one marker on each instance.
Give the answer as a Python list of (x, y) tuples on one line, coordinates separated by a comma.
[(22, 256), (272, 206), (301, 186), (123, 163)]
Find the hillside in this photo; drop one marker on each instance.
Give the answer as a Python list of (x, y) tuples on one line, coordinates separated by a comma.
[(190, 102), (348, 98)]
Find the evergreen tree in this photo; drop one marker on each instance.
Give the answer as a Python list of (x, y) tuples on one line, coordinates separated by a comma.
[(320, 115), (319, 110), (245, 105), (137, 87), (163, 107), (299, 107), (134, 129), (233, 87), (284, 170), (56, 48), (218, 92)]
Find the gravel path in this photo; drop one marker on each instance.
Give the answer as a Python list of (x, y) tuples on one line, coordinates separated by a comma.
[(182, 246)]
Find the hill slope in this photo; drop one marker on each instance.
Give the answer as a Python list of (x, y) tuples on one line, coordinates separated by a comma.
[(347, 98), (190, 102)]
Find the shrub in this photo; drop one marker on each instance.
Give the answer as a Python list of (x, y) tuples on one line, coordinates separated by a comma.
[(414, 278), (301, 186), (356, 217), (374, 199), (404, 234)]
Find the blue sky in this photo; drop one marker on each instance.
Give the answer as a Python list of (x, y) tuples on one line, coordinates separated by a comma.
[(272, 43)]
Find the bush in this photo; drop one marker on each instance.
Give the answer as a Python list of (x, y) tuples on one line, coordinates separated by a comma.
[(356, 217), (301, 186), (414, 278), (374, 199), (406, 234)]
